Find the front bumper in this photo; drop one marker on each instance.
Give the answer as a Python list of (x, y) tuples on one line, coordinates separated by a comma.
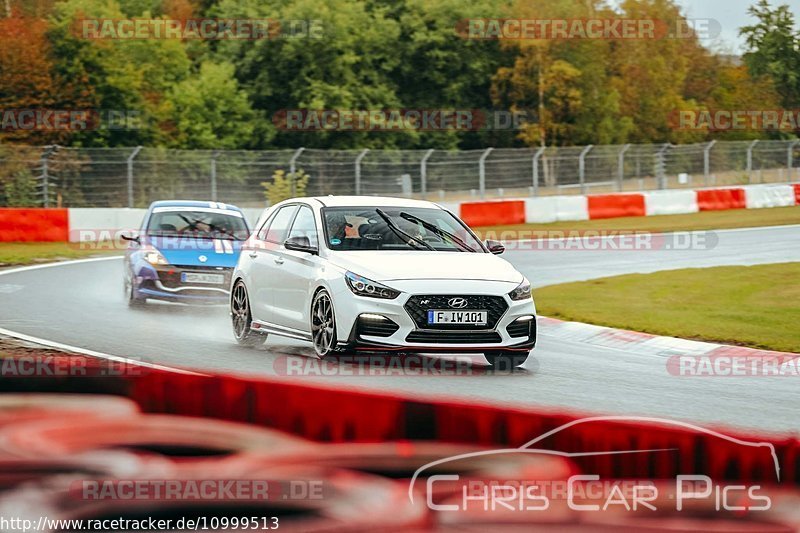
[(402, 330), (164, 283)]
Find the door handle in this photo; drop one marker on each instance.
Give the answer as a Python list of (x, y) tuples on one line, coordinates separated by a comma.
[(279, 260)]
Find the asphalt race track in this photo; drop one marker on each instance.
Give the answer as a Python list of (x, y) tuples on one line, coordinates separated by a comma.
[(82, 304)]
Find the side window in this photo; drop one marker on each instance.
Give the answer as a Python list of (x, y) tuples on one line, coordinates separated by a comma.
[(304, 226), (279, 226), (262, 232)]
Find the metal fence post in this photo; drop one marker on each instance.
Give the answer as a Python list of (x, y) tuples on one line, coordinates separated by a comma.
[(621, 166), (582, 168), (44, 177), (130, 174), (707, 162), (661, 166), (482, 172), (536, 159), (423, 173), (361, 156), (790, 157), (293, 169), (750, 160), (214, 156)]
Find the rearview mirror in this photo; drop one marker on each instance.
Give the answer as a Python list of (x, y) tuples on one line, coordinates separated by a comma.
[(496, 247), (300, 244)]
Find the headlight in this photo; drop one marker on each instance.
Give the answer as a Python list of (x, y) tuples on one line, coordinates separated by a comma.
[(153, 256), (362, 286), (522, 292)]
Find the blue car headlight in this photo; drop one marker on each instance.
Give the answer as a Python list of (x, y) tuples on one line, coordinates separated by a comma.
[(153, 256), (362, 286), (522, 292)]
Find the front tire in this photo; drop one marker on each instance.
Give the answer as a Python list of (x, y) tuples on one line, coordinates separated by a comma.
[(242, 318), (506, 361), (130, 291), (323, 324)]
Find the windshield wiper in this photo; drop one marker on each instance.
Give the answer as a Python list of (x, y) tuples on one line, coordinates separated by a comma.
[(193, 225), (395, 228), (438, 231)]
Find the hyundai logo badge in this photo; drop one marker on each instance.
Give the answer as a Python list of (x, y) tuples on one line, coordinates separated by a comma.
[(457, 303)]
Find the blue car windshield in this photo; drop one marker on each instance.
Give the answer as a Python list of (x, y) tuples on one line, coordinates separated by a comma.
[(198, 223)]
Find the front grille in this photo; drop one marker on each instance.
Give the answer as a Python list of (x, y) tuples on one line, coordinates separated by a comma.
[(377, 328), (417, 307), (453, 337), (520, 329)]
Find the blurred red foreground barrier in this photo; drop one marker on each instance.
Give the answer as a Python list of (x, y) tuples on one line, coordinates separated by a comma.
[(34, 225), (339, 415), (330, 501), (493, 213), (15, 408), (329, 414), (169, 436), (616, 205), (721, 199)]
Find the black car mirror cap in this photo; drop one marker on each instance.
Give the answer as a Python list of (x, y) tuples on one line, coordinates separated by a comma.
[(300, 244), (495, 247)]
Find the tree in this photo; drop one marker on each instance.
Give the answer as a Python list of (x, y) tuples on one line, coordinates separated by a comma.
[(210, 110), (348, 68), (774, 50)]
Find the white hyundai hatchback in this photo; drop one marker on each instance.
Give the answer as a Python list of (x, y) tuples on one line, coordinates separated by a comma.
[(385, 275)]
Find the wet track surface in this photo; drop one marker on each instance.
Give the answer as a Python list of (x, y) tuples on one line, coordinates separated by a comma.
[(82, 305)]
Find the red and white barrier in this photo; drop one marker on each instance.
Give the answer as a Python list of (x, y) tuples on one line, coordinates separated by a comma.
[(670, 203), (92, 224), (33, 225), (551, 209)]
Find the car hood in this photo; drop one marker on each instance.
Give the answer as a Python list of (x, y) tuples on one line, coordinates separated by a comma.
[(184, 251), (389, 266)]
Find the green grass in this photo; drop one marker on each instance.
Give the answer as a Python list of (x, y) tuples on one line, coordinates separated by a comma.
[(708, 220), (755, 306), (27, 253)]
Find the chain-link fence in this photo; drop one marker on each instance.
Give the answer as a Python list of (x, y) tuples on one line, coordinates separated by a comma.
[(136, 176)]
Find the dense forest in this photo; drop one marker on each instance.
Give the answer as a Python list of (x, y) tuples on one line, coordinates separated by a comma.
[(384, 54)]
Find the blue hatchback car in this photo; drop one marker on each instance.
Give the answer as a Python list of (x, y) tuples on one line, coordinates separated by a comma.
[(184, 252)]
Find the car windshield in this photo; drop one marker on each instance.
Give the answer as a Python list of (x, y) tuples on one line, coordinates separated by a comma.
[(198, 223), (396, 228)]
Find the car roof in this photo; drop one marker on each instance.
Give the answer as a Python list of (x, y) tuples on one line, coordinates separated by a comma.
[(371, 201), (194, 203)]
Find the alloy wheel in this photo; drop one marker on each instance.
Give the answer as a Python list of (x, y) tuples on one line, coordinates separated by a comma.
[(323, 330)]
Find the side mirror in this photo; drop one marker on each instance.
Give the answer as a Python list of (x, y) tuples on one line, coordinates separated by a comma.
[(134, 238), (300, 244), (496, 247)]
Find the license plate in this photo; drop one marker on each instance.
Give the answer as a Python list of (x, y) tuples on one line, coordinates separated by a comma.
[(196, 277), (472, 318)]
